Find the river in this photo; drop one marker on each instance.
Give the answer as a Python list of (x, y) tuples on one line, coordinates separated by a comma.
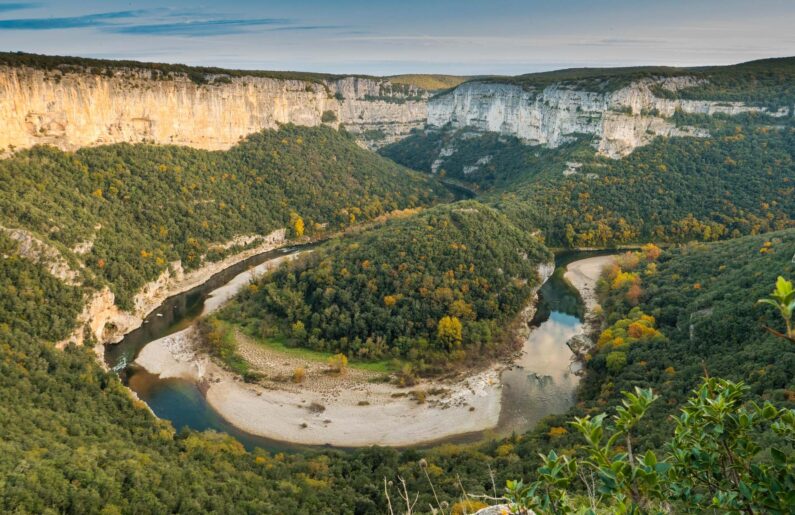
[(541, 382)]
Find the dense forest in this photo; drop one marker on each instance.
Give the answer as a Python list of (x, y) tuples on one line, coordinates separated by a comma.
[(144, 206), (73, 441), (690, 311), (673, 190), (432, 288)]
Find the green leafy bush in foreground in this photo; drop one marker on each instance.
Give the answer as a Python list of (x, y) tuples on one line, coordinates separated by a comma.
[(714, 461)]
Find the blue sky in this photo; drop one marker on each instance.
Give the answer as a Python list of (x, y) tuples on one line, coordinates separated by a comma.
[(401, 36)]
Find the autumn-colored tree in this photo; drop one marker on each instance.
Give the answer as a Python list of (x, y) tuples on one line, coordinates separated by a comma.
[(298, 226), (623, 279), (338, 363), (634, 294), (449, 331), (460, 308), (651, 251)]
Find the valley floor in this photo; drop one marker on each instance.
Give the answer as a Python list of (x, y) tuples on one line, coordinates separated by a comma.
[(352, 409), (346, 410)]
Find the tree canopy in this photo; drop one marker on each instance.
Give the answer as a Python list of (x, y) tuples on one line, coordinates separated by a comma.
[(445, 282)]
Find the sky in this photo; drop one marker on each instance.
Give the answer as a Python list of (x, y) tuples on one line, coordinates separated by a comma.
[(461, 37)]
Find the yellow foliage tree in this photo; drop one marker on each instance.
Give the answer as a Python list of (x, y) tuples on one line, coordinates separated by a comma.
[(338, 363), (623, 279), (651, 251), (449, 331), (298, 226)]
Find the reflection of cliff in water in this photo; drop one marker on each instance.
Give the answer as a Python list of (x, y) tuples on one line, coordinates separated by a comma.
[(542, 382)]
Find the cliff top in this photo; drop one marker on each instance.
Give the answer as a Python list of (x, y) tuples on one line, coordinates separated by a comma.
[(197, 74), (765, 82), (429, 82)]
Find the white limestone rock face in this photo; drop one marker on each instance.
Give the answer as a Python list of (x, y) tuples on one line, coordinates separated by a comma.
[(621, 120), (74, 109)]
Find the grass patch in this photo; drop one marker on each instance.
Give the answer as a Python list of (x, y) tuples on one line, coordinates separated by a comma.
[(280, 343)]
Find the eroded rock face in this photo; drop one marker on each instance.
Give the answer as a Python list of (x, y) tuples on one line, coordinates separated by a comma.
[(622, 120), (70, 109), (37, 251), (105, 322)]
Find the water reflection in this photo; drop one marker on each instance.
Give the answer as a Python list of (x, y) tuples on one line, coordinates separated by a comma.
[(542, 382), (183, 404), (179, 311)]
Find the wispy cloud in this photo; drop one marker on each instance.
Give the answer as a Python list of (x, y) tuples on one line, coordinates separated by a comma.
[(159, 22), (18, 6), (213, 27), (74, 22), (620, 42), (308, 27)]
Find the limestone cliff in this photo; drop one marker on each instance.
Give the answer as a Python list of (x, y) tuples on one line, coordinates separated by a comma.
[(108, 324), (39, 252), (621, 120), (72, 108)]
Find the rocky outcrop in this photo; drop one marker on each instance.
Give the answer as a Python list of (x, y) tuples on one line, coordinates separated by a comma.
[(105, 322), (72, 109), (35, 250), (621, 120)]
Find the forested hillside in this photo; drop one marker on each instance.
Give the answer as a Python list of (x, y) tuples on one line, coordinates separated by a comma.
[(72, 440), (441, 285), (135, 208), (674, 322), (692, 310), (703, 299), (435, 285), (676, 189)]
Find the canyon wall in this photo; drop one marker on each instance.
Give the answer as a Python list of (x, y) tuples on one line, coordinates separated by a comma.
[(621, 120), (107, 323), (72, 109)]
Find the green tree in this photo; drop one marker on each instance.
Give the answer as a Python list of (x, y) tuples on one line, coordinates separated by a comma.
[(783, 299), (616, 360)]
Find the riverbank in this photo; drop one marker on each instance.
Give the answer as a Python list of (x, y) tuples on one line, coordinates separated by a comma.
[(358, 408), (108, 324), (583, 275), (352, 409)]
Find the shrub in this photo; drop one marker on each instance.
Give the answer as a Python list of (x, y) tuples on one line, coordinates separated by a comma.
[(328, 117)]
